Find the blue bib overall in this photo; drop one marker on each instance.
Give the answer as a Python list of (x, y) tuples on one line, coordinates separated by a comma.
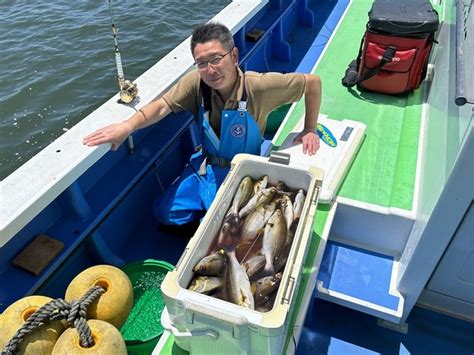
[(193, 192)]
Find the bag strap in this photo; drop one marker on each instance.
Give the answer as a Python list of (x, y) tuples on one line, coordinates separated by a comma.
[(351, 74), (387, 57), (350, 79)]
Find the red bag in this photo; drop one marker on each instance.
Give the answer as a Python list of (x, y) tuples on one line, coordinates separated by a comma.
[(406, 68), (394, 52)]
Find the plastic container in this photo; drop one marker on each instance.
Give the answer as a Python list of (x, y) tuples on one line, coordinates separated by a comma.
[(202, 324), (143, 328)]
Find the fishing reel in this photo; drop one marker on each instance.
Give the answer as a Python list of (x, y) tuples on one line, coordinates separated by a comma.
[(128, 91)]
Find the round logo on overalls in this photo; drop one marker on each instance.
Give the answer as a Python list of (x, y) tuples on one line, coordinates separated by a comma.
[(238, 130)]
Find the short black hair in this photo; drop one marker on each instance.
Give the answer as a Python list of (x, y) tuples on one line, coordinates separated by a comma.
[(212, 31)]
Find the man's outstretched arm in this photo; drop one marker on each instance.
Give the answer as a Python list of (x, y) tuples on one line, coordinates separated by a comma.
[(312, 100), (117, 133)]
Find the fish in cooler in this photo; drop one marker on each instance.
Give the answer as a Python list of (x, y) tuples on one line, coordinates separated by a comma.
[(255, 222), (211, 265), (254, 265), (273, 240), (244, 192), (229, 233), (281, 186), (267, 304), (260, 198), (299, 202), (265, 286), (288, 211), (205, 284), (260, 184), (253, 243), (236, 286), (280, 260)]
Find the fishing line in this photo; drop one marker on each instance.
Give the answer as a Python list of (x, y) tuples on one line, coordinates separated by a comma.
[(128, 90), (251, 247)]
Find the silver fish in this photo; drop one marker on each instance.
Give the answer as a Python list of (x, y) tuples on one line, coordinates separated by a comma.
[(290, 235), (280, 262), (267, 303), (284, 190), (211, 265), (241, 197), (254, 265), (294, 226), (288, 211), (266, 307), (236, 283), (282, 258), (281, 186), (258, 199), (265, 286), (299, 202), (274, 238), (205, 284), (260, 184), (229, 233), (255, 221)]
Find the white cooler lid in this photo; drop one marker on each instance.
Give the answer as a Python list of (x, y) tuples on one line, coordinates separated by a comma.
[(340, 141)]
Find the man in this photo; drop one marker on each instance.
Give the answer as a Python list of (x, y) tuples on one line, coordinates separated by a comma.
[(231, 108)]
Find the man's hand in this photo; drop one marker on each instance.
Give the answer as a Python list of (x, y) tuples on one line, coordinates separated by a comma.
[(312, 102), (115, 134), (310, 141)]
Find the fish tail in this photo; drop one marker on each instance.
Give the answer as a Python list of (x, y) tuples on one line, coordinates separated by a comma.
[(294, 224), (230, 249), (232, 212), (221, 239), (233, 219), (269, 269)]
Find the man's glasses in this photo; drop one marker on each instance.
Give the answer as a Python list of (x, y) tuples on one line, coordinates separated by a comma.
[(202, 64)]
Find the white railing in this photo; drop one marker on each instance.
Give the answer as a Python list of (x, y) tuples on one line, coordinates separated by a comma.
[(32, 187)]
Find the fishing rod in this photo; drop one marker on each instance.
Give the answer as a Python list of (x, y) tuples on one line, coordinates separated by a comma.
[(128, 90)]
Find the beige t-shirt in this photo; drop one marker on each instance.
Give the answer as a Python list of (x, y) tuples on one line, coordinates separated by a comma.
[(265, 92)]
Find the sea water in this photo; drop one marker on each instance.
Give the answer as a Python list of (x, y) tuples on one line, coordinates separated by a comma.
[(58, 63)]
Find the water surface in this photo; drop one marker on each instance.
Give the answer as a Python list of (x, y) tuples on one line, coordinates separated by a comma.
[(58, 62)]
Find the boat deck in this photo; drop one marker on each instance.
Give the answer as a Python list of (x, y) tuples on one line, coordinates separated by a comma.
[(361, 270), (339, 330), (384, 171), (382, 175)]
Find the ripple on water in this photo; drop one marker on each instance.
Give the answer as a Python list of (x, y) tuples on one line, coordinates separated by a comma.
[(60, 55)]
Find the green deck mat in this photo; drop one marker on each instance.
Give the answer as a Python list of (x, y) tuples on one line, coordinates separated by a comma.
[(384, 171)]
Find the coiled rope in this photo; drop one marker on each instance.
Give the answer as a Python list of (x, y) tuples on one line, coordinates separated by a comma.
[(58, 309)]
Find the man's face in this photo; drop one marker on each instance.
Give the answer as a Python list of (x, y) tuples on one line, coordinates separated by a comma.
[(219, 76)]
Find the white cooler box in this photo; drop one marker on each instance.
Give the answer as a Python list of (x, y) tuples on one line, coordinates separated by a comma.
[(202, 324)]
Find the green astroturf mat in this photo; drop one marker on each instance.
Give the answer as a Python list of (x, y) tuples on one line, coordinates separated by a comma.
[(383, 172)]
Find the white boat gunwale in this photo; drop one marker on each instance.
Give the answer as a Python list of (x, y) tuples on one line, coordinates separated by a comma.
[(33, 186)]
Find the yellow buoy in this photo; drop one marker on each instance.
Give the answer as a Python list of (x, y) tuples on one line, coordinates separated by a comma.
[(114, 304), (42, 339), (107, 340)]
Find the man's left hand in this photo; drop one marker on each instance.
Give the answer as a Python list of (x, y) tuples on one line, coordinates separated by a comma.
[(310, 141)]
